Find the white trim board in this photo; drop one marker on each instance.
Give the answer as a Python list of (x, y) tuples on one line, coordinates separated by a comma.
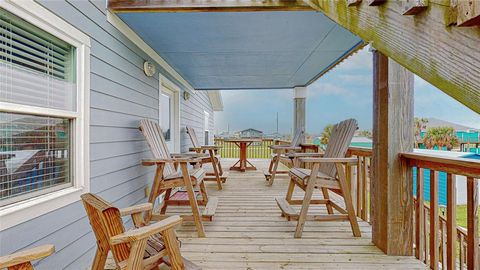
[(130, 34)]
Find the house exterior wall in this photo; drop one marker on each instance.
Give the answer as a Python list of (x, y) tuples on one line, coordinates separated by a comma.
[(192, 113), (120, 96)]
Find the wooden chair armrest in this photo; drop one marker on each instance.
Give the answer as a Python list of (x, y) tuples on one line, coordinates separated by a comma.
[(210, 147), (329, 160), (25, 256), (299, 155), (189, 155), (195, 149), (139, 208), (146, 231), (157, 161)]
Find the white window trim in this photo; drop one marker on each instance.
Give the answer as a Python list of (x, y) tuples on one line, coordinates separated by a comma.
[(16, 213), (165, 83)]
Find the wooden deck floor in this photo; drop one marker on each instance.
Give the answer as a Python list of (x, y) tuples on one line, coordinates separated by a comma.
[(248, 233)]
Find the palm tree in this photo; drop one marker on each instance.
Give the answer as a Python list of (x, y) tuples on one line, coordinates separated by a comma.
[(420, 125), (326, 133), (440, 137)]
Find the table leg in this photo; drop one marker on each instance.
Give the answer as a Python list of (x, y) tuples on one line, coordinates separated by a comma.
[(243, 156)]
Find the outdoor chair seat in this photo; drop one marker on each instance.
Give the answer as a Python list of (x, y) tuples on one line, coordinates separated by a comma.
[(196, 174), (301, 176)]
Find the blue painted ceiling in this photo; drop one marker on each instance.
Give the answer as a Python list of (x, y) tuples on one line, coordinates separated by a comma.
[(245, 50)]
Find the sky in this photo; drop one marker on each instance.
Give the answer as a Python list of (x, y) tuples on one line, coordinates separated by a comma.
[(344, 92)]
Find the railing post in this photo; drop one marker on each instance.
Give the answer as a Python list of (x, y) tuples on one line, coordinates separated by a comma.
[(392, 196), (420, 218), (451, 222), (472, 224)]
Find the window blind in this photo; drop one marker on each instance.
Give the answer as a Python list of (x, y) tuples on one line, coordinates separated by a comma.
[(36, 68), (34, 154)]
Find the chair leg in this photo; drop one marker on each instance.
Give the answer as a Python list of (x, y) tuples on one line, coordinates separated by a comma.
[(173, 249), (155, 191), (326, 196), (215, 169), (99, 260), (193, 201), (348, 200), (291, 188), (203, 191), (302, 218), (220, 169), (274, 170), (165, 199)]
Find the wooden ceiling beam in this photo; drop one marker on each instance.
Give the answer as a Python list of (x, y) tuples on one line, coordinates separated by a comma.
[(207, 5), (428, 44)]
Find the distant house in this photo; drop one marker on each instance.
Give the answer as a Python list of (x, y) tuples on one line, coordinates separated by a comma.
[(251, 133)]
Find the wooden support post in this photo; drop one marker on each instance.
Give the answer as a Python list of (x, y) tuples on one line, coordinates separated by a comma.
[(299, 109), (391, 194)]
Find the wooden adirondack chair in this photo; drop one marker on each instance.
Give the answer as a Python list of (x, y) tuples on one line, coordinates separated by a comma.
[(169, 181), (218, 174), (281, 153), (145, 247), (328, 174), (22, 260)]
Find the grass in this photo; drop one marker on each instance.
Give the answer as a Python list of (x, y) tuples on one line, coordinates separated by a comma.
[(462, 215)]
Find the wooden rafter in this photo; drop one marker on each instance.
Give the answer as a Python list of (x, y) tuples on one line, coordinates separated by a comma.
[(427, 44), (206, 6)]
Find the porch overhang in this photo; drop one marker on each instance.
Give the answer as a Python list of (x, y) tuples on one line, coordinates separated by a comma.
[(244, 50)]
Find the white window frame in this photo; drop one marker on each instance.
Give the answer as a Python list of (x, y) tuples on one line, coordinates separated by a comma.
[(22, 211), (169, 86)]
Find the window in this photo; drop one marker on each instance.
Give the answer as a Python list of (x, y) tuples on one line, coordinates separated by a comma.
[(43, 121), (166, 115)]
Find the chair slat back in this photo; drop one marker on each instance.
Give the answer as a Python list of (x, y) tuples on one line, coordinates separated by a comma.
[(154, 136), (297, 137), (193, 137), (338, 144), (106, 222)]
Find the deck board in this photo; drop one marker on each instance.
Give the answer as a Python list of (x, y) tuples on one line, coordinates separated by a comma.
[(248, 232)]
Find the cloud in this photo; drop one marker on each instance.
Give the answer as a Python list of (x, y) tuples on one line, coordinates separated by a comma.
[(326, 88)]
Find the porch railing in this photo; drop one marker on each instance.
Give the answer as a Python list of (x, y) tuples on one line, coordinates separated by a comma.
[(452, 246), (360, 181), (438, 239), (256, 150)]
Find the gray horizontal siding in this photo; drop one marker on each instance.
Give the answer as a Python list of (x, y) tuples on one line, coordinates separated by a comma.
[(192, 114), (120, 96)]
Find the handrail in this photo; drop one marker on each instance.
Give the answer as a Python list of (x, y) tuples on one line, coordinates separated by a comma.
[(455, 165), (438, 239)]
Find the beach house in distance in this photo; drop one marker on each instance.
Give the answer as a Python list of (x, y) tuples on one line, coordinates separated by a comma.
[(76, 78)]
